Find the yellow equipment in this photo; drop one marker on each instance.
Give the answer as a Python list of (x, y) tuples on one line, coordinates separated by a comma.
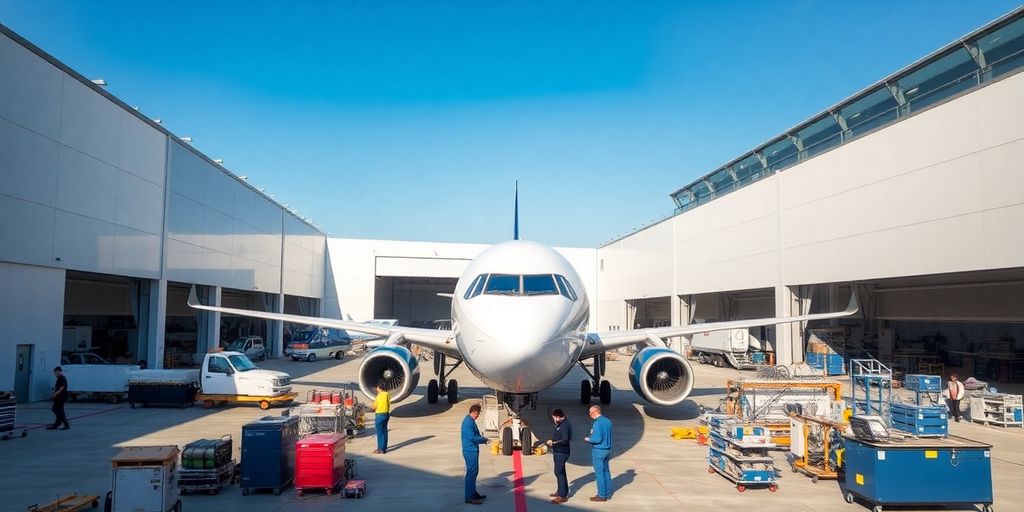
[(812, 445)]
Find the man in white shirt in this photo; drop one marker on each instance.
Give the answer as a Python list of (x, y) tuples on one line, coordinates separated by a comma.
[(955, 388)]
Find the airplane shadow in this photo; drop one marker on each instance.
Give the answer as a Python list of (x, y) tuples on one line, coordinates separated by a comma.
[(618, 482), (688, 410)]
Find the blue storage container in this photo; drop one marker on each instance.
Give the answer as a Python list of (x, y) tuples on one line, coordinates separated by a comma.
[(919, 472), (923, 383), (1018, 414), (832, 364), (920, 420), (268, 453)]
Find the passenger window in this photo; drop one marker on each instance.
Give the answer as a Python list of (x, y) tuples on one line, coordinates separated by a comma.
[(540, 284), (503, 284), (565, 289)]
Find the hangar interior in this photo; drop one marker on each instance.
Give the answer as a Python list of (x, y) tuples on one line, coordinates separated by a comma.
[(413, 301)]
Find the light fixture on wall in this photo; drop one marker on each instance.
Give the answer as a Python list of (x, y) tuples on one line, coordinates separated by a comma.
[(100, 82), (157, 121), (218, 161), (187, 139)]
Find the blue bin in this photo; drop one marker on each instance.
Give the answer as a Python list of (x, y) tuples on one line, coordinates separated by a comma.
[(923, 383), (268, 452), (919, 472)]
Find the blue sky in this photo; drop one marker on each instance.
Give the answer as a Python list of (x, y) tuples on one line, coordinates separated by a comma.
[(411, 120)]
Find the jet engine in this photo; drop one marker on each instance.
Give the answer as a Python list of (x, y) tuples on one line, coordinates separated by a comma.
[(661, 376), (393, 365)]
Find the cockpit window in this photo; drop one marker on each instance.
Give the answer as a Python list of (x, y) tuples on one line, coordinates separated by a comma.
[(502, 284), (475, 287), (539, 284), (565, 289)]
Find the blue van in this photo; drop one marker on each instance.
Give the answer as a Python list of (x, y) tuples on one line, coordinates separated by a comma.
[(319, 342)]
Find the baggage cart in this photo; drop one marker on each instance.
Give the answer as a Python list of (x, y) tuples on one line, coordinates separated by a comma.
[(265, 402), (8, 415), (268, 454), (69, 503), (209, 481)]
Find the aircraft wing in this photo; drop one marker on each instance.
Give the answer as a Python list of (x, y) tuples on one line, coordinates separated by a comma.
[(436, 339), (600, 342)]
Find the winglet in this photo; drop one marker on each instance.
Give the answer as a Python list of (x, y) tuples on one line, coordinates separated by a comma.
[(193, 299), (853, 306), (447, 295), (515, 229)]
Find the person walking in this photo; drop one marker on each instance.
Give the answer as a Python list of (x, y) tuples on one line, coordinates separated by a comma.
[(559, 444), (60, 395), (601, 440), (955, 388), (471, 441), (381, 417)]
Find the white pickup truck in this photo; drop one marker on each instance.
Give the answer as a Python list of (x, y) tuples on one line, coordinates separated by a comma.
[(232, 377), (224, 377)]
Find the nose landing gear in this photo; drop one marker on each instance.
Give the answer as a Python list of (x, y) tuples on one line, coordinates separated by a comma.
[(518, 433), (595, 387)]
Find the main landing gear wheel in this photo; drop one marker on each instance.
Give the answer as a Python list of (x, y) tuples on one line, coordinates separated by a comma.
[(453, 391), (526, 440), (606, 392), (585, 392), (432, 391), (506, 441)]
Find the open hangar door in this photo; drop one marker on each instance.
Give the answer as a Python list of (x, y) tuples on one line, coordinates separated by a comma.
[(413, 301), (181, 335), (101, 315), (296, 305), (734, 305), (971, 323), (233, 327)]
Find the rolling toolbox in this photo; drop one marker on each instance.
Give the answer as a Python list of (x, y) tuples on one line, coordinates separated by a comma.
[(320, 462)]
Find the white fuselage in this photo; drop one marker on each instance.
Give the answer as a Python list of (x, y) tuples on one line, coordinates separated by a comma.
[(520, 342)]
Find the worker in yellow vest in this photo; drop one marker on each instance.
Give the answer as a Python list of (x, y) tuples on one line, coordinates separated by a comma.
[(382, 413)]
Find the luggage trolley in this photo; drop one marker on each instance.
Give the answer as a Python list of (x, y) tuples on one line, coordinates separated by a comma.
[(8, 415)]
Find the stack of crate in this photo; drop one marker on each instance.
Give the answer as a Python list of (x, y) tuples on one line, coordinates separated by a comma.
[(997, 409), (825, 350), (739, 452), (922, 418)]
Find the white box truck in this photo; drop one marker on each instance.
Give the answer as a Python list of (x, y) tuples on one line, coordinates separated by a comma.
[(737, 347)]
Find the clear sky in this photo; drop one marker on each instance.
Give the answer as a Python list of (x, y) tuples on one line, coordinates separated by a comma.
[(411, 120)]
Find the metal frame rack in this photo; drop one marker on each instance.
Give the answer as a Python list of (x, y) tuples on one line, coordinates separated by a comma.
[(867, 375), (739, 452)]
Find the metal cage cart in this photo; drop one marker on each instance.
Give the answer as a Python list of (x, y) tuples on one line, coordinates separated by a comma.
[(871, 385), (145, 479), (739, 452), (320, 418), (8, 415)]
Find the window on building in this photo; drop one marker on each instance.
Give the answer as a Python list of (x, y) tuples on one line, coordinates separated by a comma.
[(748, 169), (1003, 49), (820, 135), (940, 79), (870, 111), (780, 154)]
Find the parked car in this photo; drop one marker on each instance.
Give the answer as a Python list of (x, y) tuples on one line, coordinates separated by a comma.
[(311, 344), (82, 358), (252, 346)]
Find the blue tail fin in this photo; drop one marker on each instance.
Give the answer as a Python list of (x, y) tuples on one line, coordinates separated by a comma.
[(515, 228)]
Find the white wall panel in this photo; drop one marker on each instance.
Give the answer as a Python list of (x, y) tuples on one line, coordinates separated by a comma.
[(220, 190), (140, 203), (90, 123), (136, 253), (26, 232), (31, 313), (217, 231), (1004, 237), (86, 186), (1002, 175), (187, 173), (217, 269), (143, 149), (30, 89), (184, 261), (84, 243), (28, 164)]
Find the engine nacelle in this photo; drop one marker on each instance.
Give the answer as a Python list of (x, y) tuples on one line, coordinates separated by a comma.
[(395, 365), (661, 376)]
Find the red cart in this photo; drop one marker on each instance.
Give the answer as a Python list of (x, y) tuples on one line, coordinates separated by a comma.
[(320, 462)]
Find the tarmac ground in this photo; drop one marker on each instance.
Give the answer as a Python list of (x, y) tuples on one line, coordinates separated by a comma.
[(423, 468)]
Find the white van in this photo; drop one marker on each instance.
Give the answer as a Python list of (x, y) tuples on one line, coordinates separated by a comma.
[(319, 343)]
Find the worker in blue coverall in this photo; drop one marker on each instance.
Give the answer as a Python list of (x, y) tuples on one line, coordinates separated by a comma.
[(471, 441), (601, 440)]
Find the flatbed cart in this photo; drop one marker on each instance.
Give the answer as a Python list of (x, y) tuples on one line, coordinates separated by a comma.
[(718, 460), (265, 402), (209, 481), (69, 503)]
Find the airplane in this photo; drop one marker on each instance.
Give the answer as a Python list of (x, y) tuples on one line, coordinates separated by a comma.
[(519, 323)]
